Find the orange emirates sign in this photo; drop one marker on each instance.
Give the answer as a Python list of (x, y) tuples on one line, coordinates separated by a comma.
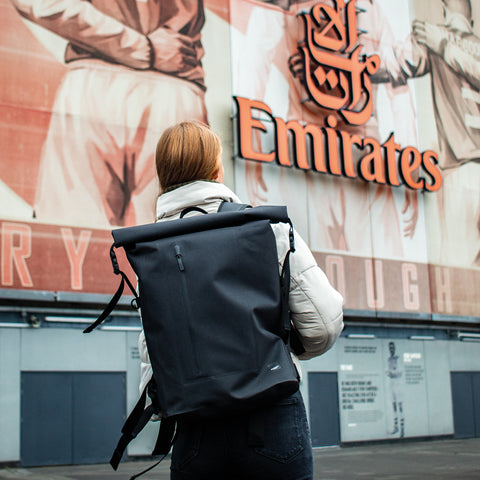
[(337, 79)]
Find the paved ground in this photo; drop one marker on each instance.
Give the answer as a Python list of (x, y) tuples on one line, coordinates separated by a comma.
[(436, 460)]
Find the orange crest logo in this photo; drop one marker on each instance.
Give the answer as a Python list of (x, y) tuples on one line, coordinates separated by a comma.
[(336, 75)]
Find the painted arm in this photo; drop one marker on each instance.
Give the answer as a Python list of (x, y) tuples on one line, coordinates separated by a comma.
[(401, 61), (86, 27), (460, 61)]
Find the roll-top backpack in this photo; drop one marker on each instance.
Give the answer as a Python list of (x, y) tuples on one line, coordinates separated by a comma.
[(214, 308)]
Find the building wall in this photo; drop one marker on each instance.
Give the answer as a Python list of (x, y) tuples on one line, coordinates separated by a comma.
[(438, 364), (365, 396), (425, 384), (10, 353), (360, 364), (428, 273), (404, 260), (54, 350)]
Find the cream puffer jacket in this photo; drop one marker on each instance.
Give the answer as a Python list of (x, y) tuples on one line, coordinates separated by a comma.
[(315, 306)]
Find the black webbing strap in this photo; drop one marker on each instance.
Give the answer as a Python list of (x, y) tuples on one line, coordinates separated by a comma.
[(116, 297), (166, 436), (135, 423), (136, 413), (295, 343), (187, 210), (232, 207), (133, 477), (285, 291), (285, 286), (291, 334)]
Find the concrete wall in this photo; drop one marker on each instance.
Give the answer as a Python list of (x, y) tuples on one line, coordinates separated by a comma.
[(364, 390), (48, 349), (10, 350), (366, 394)]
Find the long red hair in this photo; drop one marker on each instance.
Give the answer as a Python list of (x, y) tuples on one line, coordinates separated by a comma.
[(187, 152)]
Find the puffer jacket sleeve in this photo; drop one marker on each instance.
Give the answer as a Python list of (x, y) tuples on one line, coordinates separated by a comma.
[(316, 308), (145, 365)]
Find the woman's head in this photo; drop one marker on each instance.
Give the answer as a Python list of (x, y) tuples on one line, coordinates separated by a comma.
[(187, 152)]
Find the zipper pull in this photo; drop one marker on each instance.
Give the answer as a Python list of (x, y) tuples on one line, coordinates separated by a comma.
[(178, 254)]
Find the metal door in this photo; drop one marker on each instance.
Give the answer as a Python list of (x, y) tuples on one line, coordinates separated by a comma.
[(476, 401), (466, 404), (70, 417), (324, 410), (46, 420)]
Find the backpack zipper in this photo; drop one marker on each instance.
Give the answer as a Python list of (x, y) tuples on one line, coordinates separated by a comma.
[(192, 364), (178, 255)]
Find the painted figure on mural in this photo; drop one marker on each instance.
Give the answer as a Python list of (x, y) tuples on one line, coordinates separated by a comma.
[(450, 53), (134, 68), (349, 208), (395, 376)]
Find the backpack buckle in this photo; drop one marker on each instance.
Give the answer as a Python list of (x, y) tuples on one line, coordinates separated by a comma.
[(291, 237), (113, 259), (134, 303)]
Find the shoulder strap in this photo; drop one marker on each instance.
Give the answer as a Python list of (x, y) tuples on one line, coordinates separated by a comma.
[(232, 207), (137, 419), (187, 210), (116, 297), (136, 422)]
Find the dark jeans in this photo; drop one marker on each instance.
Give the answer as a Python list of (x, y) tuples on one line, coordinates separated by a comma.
[(227, 449)]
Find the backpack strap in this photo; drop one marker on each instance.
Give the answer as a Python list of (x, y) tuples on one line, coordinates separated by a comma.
[(136, 422), (285, 293), (166, 436), (291, 334), (232, 207), (187, 210), (132, 427), (116, 297), (225, 206)]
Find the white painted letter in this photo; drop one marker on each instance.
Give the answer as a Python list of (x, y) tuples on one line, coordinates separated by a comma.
[(375, 291), (411, 298), (16, 254), (76, 254)]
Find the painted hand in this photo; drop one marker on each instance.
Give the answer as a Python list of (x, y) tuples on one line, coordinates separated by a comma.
[(173, 52), (429, 35)]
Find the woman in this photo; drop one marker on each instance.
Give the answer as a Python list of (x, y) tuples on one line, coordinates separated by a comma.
[(190, 172)]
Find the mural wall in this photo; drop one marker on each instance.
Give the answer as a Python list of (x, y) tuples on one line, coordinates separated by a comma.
[(361, 116), (371, 111), (87, 89)]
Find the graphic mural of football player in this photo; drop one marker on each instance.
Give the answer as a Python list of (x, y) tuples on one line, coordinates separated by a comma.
[(349, 208), (134, 68), (395, 375), (450, 53)]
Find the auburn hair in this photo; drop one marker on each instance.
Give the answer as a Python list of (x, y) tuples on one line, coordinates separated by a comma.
[(187, 152)]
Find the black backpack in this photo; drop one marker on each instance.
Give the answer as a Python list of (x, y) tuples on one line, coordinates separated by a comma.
[(215, 314)]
